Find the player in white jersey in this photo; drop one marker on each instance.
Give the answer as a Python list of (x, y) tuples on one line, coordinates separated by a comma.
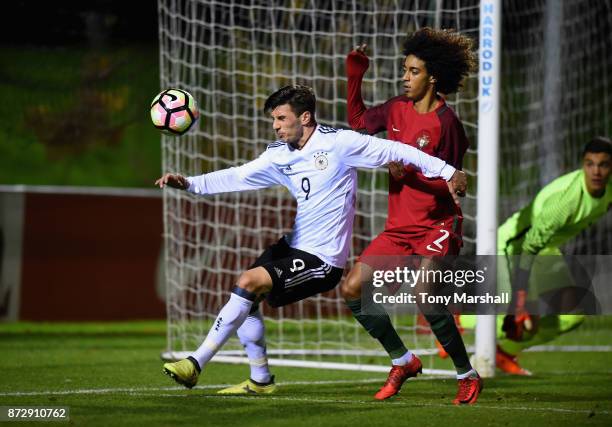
[(317, 164)]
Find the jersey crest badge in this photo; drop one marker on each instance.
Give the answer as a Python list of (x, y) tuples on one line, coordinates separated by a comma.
[(321, 161), (422, 141)]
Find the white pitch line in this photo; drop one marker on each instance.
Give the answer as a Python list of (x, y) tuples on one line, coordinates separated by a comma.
[(385, 403), (173, 388), (199, 387), (150, 392)]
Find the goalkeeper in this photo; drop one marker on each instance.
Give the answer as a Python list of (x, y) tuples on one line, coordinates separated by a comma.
[(559, 212), (318, 165)]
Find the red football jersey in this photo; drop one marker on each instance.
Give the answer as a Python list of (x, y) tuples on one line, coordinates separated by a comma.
[(417, 200)]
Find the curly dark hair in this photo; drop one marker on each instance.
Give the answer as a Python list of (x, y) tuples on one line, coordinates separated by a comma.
[(448, 56)]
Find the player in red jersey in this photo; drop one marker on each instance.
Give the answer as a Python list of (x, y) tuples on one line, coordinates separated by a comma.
[(422, 216)]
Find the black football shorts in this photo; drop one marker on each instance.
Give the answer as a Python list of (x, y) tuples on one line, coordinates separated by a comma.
[(296, 275)]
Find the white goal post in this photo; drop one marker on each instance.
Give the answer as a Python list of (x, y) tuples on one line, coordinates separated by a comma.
[(488, 172)]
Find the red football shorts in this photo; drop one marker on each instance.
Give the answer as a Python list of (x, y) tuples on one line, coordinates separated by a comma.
[(441, 240)]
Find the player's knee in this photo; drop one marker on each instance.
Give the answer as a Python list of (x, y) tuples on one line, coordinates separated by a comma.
[(250, 281), (351, 287)]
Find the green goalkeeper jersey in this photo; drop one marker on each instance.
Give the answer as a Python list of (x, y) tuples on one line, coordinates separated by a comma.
[(560, 211)]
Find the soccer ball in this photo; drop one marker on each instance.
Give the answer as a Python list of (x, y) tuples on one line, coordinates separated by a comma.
[(174, 111)]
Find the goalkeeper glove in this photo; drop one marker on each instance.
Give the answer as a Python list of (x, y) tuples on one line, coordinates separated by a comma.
[(519, 321), (516, 324)]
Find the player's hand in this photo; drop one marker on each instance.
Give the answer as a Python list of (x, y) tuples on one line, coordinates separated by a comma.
[(457, 185), (516, 324), (397, 170), (173, 180), (357, 61)]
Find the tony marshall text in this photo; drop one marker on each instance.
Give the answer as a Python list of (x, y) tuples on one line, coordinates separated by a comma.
[(425, 298)]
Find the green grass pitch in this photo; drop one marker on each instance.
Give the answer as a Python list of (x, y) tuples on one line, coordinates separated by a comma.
[(110, 375)]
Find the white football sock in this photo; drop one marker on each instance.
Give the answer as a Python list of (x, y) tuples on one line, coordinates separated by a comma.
[(251, 335), (405, 359), (228, 320), (471, 372)]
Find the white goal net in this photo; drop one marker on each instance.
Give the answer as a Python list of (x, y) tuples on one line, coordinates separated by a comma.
[(232, 54)]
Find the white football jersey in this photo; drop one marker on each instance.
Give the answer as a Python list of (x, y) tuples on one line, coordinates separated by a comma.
[(322, 177)]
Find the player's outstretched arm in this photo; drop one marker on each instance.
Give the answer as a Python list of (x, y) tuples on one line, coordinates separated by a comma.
[(457, 185), (254, 175), (557, 209), (367, 151), (356, 64), (357, 61), (173, 180)]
